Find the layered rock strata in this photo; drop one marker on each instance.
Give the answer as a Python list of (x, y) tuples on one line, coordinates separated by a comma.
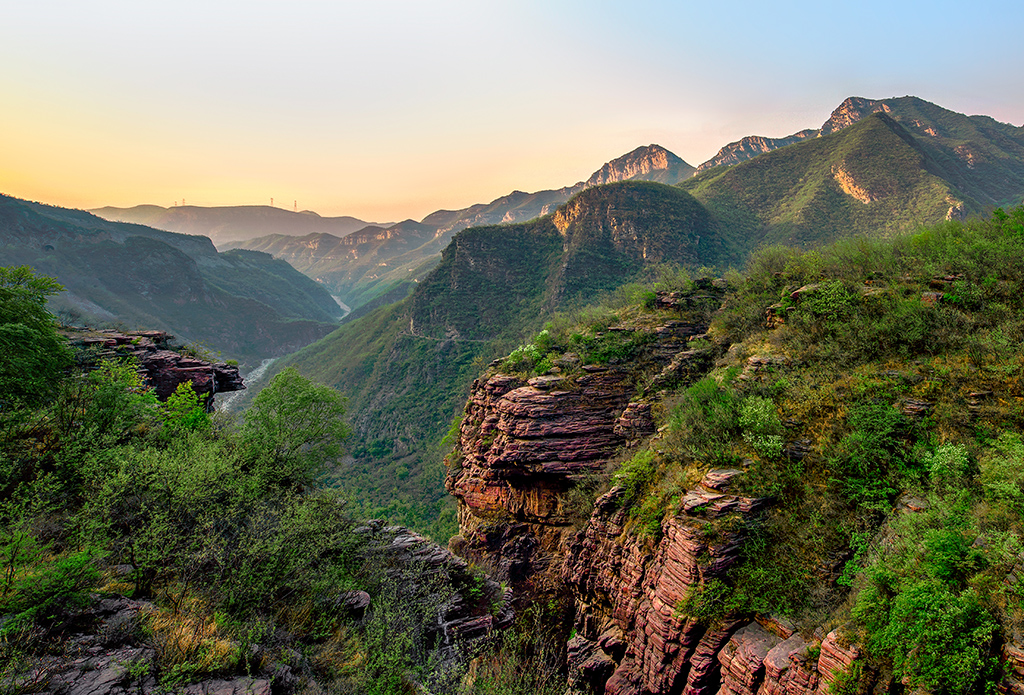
[(525, 443), (163, 368), (523, 446), (637, 585)]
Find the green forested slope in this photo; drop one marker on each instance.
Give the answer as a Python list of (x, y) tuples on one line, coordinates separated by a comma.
[(871, 179), (245, 304)]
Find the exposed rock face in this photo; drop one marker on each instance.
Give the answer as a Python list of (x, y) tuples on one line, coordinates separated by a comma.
[(522, 447), (650, 163), (751, 146), (524, 444), (850, 186), (850, 111), (846, 114), (162, 368), (743, 660), (637, 585)]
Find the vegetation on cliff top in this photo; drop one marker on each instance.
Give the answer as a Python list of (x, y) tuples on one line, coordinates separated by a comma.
[(885, 425)]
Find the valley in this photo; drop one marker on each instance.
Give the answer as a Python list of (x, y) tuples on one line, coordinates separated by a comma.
[(750, 428)]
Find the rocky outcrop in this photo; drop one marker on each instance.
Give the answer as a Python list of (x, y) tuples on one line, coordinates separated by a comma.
[(743, 660), (525, 443), (650, 163), (163, 368), (638, 584), (850, 111), (849, 185), (751, 146)]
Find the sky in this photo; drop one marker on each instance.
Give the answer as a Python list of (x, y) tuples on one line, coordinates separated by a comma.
[(391, 109)]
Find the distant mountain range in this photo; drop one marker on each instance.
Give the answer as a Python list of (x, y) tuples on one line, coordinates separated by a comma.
[(245, 304), (378, 261), (232, 223), (922, 164)]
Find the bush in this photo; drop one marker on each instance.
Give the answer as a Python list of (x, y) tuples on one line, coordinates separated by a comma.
[(761, 426), (184, 411), (636, 474), (873, 459), (706, 421)]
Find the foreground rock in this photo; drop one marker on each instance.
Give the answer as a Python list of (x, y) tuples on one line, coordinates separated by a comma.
[(104, 648)]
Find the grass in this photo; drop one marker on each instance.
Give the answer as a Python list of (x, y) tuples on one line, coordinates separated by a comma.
[(925, 590)]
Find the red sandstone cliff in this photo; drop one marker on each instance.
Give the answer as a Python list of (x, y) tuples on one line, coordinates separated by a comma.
[(525, 443)]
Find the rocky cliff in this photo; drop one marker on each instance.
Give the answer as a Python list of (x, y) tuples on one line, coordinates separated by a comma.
[(530, 450), (162, 366), (526, 443)]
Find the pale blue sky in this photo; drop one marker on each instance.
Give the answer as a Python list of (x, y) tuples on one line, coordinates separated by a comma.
[(393, 109)]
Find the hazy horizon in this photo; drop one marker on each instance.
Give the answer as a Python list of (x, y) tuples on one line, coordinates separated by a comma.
[(392, 110)]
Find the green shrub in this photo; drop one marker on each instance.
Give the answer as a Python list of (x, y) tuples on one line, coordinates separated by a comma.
[(184, 411), (762, 428), (938, 639), (636, 474), (705, 422), (873, 460)]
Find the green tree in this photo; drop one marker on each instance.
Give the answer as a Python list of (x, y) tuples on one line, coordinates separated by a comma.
[(294, 428), (34, 355), (184, 410)]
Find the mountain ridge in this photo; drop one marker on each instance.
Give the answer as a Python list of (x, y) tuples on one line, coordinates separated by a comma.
[(244, 303), (403, 253)]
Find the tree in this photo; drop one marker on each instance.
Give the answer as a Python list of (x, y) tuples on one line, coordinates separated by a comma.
[(33, 354), (294, 428)]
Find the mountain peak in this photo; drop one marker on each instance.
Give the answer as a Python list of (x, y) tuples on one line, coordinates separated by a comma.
[(648, 163), (850, 111)]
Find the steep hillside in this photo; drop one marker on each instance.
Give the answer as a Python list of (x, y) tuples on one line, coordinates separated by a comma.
[(407, 367), (980, 157), (872, 178), (232, 223), (809, 483), (246, 304)]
